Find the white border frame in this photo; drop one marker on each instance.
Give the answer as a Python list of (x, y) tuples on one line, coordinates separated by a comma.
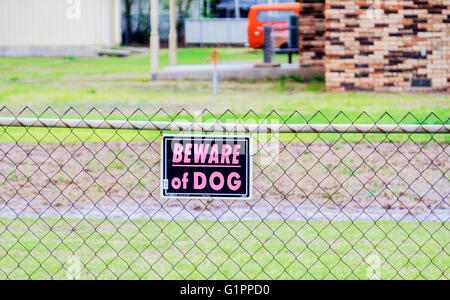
[(249, 174)]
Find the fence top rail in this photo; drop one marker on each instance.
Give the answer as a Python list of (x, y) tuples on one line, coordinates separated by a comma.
[(224, 127)]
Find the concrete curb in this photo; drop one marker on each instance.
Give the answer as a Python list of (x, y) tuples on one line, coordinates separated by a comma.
[(237, 71)]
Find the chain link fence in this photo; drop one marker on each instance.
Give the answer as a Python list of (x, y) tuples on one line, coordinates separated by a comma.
[(341, 196)]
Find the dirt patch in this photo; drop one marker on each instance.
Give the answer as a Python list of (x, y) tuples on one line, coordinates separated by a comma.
[(290, 181)]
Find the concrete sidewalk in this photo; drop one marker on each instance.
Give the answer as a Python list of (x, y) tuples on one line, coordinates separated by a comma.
[(236, 71)]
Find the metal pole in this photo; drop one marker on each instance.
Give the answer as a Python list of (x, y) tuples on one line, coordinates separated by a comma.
[(215, 75), (154, 38), (267, 46), (173, 33), (108, 23), (224, 127), (237, 9)]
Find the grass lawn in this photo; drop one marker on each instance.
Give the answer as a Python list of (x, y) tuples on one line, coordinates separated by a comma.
[(106, 83), (108, 249), (44, 248)]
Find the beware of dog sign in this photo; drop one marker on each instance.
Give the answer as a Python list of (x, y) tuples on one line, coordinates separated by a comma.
[(206, 166)]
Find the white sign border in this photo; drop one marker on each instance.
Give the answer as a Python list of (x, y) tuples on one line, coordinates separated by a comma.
[(249, 170)]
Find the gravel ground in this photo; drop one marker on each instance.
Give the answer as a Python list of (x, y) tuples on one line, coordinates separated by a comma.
[(364, 181)]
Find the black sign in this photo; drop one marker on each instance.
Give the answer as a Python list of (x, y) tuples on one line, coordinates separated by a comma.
[(205, 166)]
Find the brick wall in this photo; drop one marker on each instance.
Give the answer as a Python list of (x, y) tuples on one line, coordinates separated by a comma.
[(312, 33), (385, 45)]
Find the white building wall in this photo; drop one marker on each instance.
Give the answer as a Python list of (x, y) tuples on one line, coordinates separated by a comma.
[(216, 31), (47, 27)]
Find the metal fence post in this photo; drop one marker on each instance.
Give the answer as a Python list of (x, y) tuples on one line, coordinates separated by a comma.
[(267, 47)]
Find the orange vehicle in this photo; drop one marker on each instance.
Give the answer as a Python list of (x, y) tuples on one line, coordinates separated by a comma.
[(277, 15)]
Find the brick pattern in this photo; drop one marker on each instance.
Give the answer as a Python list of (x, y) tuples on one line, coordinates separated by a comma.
[(385, 45), (312, 33)]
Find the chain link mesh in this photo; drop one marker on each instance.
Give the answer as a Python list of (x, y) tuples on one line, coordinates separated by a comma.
[(85, 203)]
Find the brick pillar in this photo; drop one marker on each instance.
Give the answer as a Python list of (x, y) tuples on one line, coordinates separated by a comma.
[(312, 33), (385, 46)]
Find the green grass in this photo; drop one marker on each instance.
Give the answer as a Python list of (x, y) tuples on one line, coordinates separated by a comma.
[(72, 136), (153, 249), (182, 249), (49, 86), (22, 69), (108, 82)]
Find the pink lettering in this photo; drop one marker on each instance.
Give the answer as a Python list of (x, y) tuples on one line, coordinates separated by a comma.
[(221, 183), (200, 152), (197, 185), (177, 153), (236, 154), (185, 180), (234, 186), (187, 152), (226, 151), (214, 155), (176, 183)]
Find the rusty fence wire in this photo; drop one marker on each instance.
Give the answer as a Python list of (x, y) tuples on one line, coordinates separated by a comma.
[(334, 196)]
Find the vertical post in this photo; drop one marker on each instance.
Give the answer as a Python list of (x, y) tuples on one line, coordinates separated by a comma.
[(213, 58), (237, 9), (172, 33), (117, 16), (293, 32), (108, 23), (267, 46), (293, 36), (154, 38), (127, 21), (215, 78)]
